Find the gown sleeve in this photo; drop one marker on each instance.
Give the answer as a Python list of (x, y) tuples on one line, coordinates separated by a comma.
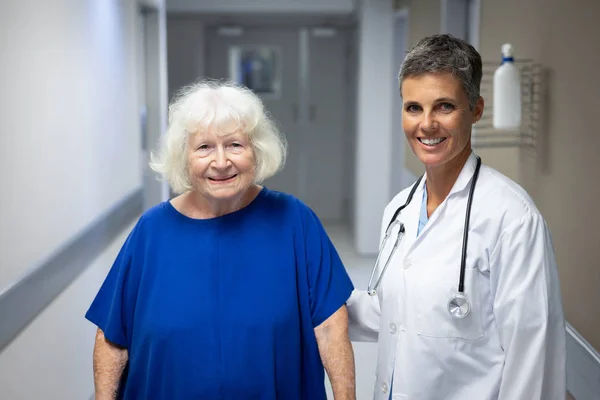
[(329, 284), (111, 309)]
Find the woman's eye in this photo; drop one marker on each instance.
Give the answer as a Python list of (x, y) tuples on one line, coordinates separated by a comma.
[(236, 147), (446, 107), (203, 147), (412, 108)]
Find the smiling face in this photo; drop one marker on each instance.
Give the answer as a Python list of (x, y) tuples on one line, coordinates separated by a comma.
[(220, 167), (437, 119)]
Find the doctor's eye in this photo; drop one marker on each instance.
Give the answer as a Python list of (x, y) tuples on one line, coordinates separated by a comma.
[(413, 108), (446, 107)]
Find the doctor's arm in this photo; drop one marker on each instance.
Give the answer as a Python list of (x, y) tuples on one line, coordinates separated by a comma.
[(337, 355), (528, 312), (364, 311), (364, 314)]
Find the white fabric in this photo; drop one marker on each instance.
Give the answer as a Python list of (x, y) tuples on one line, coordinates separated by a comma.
[(512, 344)]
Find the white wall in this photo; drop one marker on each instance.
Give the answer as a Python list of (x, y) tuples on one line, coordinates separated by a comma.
[(261, 6), (374, 122), (69, 129), (52, 358), (69, 151)]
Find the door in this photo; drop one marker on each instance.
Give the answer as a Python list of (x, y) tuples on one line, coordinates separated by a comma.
[(309, 107), (283, 106), (327, 135)]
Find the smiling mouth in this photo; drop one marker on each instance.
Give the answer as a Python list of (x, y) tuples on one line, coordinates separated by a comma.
[(431, 142), (223, 179)]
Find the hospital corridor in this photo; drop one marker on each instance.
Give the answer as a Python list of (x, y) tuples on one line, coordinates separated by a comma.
[(112, 123)]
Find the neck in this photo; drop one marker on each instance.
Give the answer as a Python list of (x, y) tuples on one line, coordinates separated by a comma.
[(441, 179), (204, 208)]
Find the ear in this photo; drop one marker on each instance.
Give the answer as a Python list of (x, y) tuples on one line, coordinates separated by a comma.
[(478, 110)]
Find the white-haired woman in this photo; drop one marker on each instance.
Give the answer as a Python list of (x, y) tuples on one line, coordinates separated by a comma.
[(229, 290)]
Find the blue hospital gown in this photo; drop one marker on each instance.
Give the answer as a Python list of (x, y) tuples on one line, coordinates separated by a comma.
[(223, 308)]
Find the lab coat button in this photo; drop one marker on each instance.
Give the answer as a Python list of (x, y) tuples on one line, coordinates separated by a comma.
[(407, 264), (393, 328), (384, 387)]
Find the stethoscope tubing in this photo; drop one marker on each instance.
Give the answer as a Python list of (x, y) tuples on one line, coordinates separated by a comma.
[(372, 289)]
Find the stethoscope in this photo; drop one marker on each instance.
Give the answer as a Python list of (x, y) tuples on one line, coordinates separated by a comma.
[(458, 305)]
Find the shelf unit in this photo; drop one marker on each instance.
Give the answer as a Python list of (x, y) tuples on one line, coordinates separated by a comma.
[(485, 135)]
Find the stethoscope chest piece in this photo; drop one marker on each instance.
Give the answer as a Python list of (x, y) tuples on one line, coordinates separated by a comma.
[(459, 306)]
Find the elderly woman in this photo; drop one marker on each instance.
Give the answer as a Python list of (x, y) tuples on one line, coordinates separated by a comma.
[(229, 290), (469, 306)]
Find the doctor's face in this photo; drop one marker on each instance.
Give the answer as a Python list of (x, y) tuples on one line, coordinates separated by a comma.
[(437, 119)]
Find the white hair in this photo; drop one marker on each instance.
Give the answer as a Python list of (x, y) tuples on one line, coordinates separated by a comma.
[(227, 107)]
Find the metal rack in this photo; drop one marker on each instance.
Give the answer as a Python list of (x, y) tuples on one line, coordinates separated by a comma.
[(485, 135)]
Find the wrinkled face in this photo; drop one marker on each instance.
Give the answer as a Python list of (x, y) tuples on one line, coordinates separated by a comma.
[(220, 167), (436, 117)]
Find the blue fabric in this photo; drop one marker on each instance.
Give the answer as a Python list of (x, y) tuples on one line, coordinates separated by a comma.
[(423, 216), (223, 308)]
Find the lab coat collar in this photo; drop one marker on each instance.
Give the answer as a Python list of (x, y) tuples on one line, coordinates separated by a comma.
[(465, 176), (413, 209)]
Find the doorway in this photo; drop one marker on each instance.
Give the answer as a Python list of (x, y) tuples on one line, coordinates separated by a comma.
[(306, 93)]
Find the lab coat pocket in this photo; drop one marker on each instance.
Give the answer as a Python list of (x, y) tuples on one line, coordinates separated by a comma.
[(436, 288)]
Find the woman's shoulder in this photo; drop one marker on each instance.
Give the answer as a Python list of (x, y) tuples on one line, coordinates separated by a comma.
[(156, 214), (284, 200), (294, 208), (401, 197), (156, 217), (505, 198)]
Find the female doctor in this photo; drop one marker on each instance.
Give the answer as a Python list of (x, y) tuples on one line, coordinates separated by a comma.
[(467, 305)]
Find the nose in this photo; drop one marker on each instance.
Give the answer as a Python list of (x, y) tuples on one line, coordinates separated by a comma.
[(220, 161), (428, 124)]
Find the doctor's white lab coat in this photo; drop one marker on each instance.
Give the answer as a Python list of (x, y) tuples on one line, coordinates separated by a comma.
[(512, 344)]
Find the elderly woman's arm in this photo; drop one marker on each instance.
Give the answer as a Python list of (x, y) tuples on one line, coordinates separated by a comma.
[(109, 362), (337, 355)]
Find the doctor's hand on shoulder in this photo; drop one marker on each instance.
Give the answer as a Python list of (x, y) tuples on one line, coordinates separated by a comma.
[(464, 300)]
